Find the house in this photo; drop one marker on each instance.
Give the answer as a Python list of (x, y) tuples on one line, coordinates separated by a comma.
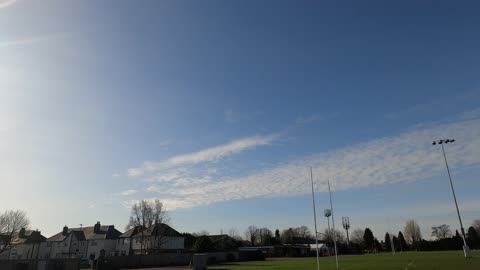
[(124, 242), (158, 238), (25, 244), (224, 242), (323, 249), (85, 242)]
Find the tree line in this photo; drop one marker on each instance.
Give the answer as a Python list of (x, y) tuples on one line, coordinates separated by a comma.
[(145, 214)]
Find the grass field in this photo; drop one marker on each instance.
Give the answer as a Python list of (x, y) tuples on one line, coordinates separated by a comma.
[(452, 260)]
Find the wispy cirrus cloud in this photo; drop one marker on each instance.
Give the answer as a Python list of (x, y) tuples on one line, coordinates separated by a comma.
[(29, 40), (128, 192), (230, 116), (407, 157), (207, 155), (6, 3)]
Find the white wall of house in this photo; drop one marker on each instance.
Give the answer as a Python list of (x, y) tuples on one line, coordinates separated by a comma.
[(24, 251), (60, 249), (167, 243), (70, 247), (173, 243), (79, 248), (45, 250), (123, 246), (95, 246)]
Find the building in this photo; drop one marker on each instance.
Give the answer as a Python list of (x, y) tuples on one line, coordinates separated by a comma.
[(224, 242), (24, 244), (124, 242), (158, 238), (85, 242)]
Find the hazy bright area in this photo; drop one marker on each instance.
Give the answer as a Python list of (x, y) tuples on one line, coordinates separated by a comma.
[(401, 261)]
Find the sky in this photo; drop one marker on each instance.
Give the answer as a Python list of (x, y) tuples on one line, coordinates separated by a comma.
[(220, 108)]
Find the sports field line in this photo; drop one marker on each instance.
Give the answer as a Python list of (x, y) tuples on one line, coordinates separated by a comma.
[(410, 264)]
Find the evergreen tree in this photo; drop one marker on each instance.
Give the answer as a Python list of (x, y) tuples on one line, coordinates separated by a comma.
[(369, 239), (388, 244), (203, 244), (401, 241), (277, 234), (396, 243), (377, 246), (458, 240), (472, 237)]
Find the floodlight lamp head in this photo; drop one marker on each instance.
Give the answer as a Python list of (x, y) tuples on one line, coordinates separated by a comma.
[(434, 142)]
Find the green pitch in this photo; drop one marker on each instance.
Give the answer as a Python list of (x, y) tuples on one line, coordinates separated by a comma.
[(451, 260)]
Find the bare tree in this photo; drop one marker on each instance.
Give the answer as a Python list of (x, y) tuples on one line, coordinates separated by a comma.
[(476, 225), (252, 234), (233, 232), (327, 236), (201, 233), (265, 236), (441, 232), (11, 222), (412, 233), (148, 216), (357, 236), (303, 232)]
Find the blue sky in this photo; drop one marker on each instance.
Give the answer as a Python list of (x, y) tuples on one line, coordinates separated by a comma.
[(219, 108)]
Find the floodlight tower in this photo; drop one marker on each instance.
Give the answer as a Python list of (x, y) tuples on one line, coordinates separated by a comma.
[(466, 249), (346, 226), (327, 213)]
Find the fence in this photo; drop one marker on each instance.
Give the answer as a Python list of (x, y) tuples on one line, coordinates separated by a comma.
[(157, 260), (56, 264)]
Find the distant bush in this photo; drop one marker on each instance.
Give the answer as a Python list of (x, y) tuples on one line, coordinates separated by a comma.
[(251, 255), (85, 264), (230, 257), (203, 244)]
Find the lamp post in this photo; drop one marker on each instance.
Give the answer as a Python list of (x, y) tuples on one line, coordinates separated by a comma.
[(466, 249), (327, 213), (333, 225)]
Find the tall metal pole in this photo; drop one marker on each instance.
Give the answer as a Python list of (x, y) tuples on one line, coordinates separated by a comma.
[(392, 244), (329, 230), (456, 204), (315, 218), (333, 225), (346, 226)]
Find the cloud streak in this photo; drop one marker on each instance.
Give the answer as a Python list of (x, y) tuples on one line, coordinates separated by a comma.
[(128, 192), (6, 3), (207, 155), (405, 158), (28, 40)]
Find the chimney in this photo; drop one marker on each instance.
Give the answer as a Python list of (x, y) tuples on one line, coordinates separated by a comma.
[(21, 233), (96, 228), (65, 230)]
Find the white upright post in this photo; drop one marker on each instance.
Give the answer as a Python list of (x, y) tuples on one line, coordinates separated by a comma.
[(314, 217), (333, 225)]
